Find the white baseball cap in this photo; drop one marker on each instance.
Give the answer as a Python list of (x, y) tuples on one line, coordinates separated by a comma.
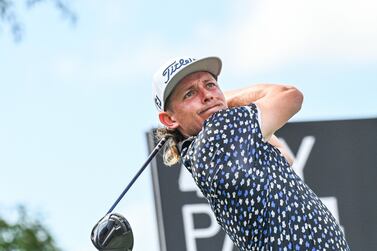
[(173, 71)]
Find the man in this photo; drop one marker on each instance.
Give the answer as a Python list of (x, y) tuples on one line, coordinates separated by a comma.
[(227, 143)]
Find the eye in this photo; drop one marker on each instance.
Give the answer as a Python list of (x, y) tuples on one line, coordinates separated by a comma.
[(210, 85), (189, 94)]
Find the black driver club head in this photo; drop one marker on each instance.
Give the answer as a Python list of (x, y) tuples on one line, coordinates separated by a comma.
[(113, 233)]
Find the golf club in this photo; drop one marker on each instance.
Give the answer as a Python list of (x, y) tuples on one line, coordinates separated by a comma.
[(113, 231)]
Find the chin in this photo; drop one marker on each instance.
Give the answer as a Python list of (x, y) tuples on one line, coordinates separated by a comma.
[(212, 111)]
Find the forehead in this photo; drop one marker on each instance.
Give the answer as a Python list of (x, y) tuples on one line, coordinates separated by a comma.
[(193, 78)]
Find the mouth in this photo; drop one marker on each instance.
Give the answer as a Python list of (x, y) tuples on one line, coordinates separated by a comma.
[(208, 108)]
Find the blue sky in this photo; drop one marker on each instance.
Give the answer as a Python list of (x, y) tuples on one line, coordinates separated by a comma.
[(75, 101)]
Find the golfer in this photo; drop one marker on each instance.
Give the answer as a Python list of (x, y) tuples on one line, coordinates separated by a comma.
[(227, 142)]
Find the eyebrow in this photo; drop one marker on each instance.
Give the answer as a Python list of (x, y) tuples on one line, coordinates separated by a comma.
[(192, 85), (209, 80), (187, 88)]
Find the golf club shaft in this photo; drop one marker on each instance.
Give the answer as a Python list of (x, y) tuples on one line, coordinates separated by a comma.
[(150, 157)]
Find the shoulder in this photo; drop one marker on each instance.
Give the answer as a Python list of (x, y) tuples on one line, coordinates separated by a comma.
[(230, 118), (229, 126), (225, 125)]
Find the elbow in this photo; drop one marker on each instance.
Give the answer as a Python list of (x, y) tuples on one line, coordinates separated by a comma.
[(296, 97)]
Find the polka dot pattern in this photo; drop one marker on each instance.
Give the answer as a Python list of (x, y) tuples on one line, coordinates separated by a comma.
[(255, 195)]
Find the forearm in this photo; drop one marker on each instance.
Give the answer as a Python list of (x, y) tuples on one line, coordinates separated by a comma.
[(247, 95), (282, 148)]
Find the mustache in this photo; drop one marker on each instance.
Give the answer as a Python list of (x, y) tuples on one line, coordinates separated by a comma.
[(209, 106)]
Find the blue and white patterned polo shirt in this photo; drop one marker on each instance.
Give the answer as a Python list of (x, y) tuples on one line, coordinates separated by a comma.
[(255, 195)]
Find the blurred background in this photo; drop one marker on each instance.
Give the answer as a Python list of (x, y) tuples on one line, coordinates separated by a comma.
[(76, 102)]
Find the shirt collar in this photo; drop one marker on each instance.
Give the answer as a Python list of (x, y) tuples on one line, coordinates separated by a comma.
[(185, 143)]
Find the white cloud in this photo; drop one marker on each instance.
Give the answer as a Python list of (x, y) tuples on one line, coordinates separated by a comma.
[(269, 33), (257, 35)]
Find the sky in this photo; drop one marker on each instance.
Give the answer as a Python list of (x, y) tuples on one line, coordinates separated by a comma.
[(76, 102)]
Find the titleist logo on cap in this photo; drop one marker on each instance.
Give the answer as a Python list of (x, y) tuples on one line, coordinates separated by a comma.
[(173, 67)]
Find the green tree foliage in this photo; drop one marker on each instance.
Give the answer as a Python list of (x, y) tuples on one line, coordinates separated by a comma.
[(26, 234), (10, 12)]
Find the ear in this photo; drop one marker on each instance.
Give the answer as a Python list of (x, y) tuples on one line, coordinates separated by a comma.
[(168, 120)]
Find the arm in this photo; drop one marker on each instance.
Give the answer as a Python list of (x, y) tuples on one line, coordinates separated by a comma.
[(277, 104), (286, 152), (241, 97)]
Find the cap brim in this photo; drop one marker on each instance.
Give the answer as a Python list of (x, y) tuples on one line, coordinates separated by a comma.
[(209, 64)]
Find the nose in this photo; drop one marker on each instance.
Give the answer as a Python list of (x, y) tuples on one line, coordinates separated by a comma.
[(206, 95)]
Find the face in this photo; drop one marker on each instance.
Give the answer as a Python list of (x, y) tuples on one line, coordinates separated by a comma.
[(193, 100)]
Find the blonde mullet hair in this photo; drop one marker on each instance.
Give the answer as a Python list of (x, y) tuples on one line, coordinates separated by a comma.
[(171, 154)]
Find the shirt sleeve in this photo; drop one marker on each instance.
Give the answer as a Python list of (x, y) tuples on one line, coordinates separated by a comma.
[(253, 108), (234, 125)]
